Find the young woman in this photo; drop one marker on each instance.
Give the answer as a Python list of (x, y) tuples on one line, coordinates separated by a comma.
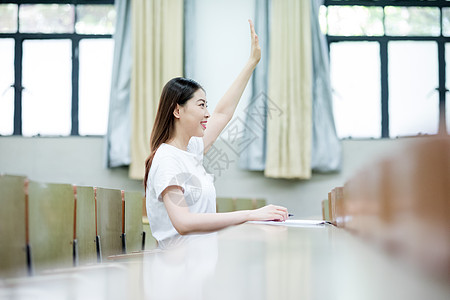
[(180, 195)]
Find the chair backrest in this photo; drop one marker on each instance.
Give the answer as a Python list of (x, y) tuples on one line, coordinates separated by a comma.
[(85, 225), (325, 210), (225, 205), (330, 209), (13, 258), (150, 241), (109, 221), (337, 196), (243, 204), (51, 225), (248, 203), (233, 204), (133, 221), (259, 202)]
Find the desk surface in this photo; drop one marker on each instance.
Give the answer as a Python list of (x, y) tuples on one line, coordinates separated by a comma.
[(249, 261)]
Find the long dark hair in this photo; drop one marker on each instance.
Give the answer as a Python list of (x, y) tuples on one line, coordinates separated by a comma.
[(177, 91)]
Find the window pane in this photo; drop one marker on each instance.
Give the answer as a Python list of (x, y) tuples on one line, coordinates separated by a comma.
[(6, 91), (355, 78), (47, 78), (355, 20), (95, 19), (96, 58), (413, 78), (446, 21), (8, 18), (46, 18), (415, 21)]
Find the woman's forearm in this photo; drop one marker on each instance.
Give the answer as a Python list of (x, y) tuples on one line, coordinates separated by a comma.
[(186, 222), (208, 222)]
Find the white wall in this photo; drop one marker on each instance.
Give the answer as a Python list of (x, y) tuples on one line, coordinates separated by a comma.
[(222, 46), (79, 160), (75, 160)]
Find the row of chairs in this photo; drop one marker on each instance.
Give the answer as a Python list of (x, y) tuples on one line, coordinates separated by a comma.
[(401, 202), (45, 225), (233, 204), (49, 225)]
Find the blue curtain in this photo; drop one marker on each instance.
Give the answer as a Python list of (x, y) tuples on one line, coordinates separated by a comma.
[(119, 123), (189, 38), (253, 157), (326, 147)]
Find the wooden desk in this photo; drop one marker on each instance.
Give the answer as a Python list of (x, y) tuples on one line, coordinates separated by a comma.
[(249, 261)]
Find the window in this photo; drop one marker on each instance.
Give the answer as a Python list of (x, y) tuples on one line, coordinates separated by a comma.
[(388, 71), (356, 104), (56, 61)]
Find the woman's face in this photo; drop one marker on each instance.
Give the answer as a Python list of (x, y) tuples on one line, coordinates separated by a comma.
[(194, 114)]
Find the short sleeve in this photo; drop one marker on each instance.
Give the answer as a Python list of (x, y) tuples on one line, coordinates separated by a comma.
[(168, 172)]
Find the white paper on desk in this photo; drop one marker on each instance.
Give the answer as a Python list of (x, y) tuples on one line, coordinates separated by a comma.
[(293, 223)]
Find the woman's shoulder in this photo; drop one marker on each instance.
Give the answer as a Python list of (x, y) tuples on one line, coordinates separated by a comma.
[(165, 152), (166, 161)]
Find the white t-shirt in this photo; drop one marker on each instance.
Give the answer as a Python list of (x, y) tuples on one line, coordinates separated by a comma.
[(175, 167)]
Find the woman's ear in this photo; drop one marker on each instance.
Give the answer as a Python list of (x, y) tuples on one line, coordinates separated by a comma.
[(176, 112)]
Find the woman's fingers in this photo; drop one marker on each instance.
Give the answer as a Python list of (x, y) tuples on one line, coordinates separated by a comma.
[(256, 50), (280, 213), (283, 211), (252, 31), (252, 27)]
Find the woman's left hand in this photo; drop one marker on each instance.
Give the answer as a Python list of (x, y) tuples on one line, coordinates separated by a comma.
[(255, 53)]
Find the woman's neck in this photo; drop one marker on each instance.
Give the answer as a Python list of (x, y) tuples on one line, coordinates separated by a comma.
[(179, 142)]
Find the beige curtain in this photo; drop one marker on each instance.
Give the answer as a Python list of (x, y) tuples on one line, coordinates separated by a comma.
[(290, 88), (157, 44)]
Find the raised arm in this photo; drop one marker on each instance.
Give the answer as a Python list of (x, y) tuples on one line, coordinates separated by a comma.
[(227, 105), (186, 222)]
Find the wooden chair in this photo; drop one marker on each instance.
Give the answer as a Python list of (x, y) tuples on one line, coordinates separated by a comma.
[(243, 204), (225, 205), (51, 225), (149, 241), (325, 210), (85, 233), (13, 235), (233, 204), (258, 203), (337, 197), (133, 221), (110, 222), (331, 206)]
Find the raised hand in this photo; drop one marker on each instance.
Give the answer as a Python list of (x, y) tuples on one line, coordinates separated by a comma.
[(255, 53)]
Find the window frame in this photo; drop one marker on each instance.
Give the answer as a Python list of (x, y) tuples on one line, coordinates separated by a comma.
[(75, 39), (383, 43)]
